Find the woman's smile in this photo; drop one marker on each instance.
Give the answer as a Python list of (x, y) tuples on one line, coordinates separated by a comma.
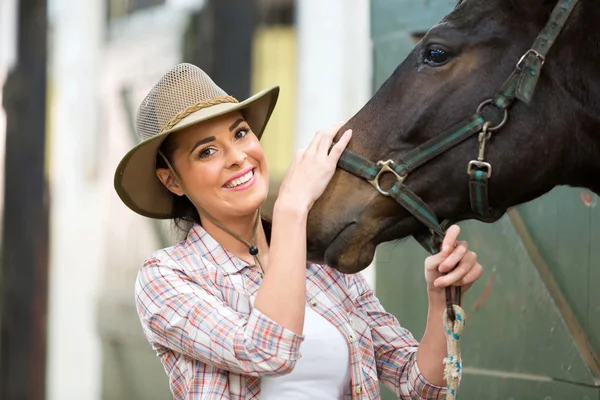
[(242, 180)]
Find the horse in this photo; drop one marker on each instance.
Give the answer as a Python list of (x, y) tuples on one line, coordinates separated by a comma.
[(496, 105)]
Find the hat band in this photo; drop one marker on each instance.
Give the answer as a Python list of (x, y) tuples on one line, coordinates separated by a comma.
[(196, 107)]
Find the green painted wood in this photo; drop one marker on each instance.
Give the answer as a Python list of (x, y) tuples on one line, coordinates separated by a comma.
[(594, 280), (390, 16), (394, 26), (388, 52), (522, 334), (561, 225), (494, 388)]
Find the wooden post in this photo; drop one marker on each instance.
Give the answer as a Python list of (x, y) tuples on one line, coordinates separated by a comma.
[(24, 261)]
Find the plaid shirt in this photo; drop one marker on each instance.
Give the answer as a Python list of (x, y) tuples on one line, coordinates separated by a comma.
[(195, 299)]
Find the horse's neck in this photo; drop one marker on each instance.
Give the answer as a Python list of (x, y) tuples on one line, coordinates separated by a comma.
[(578, 75)]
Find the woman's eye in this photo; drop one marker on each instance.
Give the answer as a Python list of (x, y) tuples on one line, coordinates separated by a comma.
[(241, 133), (209, 151), (435, 57)]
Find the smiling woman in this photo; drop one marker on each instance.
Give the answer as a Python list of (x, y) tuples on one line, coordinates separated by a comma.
[(209, 150), (235, 310)]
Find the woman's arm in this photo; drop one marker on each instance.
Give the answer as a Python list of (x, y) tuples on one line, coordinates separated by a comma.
[(282, 295), (432, 349), (411, 369)]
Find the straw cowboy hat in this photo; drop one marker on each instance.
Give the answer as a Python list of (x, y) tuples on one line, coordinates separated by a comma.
[(184, 96)]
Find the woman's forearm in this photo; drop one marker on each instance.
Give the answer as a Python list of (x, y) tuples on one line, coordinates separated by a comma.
[(282, 294), (432, 347)]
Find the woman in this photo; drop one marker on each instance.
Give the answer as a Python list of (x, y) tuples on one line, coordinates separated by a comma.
[(235, 311)]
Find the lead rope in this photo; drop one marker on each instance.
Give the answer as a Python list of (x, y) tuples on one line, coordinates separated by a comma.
[(252, 249), (453, 360), (454, 325)]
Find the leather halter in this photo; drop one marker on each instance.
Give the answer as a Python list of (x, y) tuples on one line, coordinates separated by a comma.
[(520, 85)]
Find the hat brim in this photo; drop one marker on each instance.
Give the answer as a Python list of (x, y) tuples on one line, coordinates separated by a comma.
[(135, 180)]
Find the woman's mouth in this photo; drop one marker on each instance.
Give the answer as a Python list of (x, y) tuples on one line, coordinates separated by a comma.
[(241, 182)]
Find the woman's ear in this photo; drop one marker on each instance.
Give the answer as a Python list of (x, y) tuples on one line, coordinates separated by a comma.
[(167, 179)]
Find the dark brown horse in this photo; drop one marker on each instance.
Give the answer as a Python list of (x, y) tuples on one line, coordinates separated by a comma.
[(553, 139)]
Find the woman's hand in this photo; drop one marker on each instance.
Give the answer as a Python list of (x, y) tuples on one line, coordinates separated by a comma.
[(453, 254), (312, 168)]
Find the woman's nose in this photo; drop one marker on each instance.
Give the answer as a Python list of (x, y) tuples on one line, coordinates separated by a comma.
[(236, 157)]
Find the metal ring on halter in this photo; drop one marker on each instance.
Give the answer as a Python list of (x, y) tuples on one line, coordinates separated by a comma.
[(385, 167), (504, 119)]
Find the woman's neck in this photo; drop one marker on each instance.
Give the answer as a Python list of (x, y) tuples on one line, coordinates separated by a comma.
[(244, 228)]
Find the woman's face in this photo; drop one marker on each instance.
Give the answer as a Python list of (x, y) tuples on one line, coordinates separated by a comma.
[(222, 166)]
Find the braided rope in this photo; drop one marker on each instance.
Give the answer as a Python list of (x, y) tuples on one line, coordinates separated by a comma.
[(196, 107), (453, 361)]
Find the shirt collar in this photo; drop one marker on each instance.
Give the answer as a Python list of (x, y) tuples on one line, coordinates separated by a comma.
[(199, 239)]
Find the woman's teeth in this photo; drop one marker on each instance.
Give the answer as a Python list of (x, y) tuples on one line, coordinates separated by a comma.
[(241, 180)]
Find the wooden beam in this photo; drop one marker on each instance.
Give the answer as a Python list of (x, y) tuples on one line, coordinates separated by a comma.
[(24, 262)]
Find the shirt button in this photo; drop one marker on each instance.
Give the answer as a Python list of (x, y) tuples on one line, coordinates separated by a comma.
[(357, 389), (313, 303), (351, 338)]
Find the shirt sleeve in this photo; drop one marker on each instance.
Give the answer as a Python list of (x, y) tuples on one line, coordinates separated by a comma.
[(185, 316), (395, 349)]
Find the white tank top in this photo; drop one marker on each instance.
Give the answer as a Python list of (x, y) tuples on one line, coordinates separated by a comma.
[(323, 371)]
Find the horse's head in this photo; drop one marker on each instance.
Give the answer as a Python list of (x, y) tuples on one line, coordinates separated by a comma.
[(461, 62)]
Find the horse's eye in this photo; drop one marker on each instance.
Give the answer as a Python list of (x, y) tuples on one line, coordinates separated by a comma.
[(435, 57)]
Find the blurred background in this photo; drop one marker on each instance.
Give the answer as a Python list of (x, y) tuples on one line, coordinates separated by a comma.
[(79, 70), (73, 73)]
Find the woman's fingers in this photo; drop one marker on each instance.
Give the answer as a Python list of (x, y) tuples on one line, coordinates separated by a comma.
[(454, 258), (312, 169), (432, 263), (327, 138), (340, 146), (314, 143), (471, 276), (450, 239), (461, 272)]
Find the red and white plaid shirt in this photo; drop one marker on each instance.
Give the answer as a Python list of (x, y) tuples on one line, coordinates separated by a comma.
[(195, 301)]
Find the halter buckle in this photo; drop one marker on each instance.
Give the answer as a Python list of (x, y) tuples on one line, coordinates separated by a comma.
[(385, 167), (480, 165), (539, 56)]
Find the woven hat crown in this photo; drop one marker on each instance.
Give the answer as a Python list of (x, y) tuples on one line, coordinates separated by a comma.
[(180, 92)]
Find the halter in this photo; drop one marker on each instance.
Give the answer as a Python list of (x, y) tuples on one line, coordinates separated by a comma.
[(519, 85)]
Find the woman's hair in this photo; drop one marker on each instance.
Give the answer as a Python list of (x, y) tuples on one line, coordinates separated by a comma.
[(183, 212)]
